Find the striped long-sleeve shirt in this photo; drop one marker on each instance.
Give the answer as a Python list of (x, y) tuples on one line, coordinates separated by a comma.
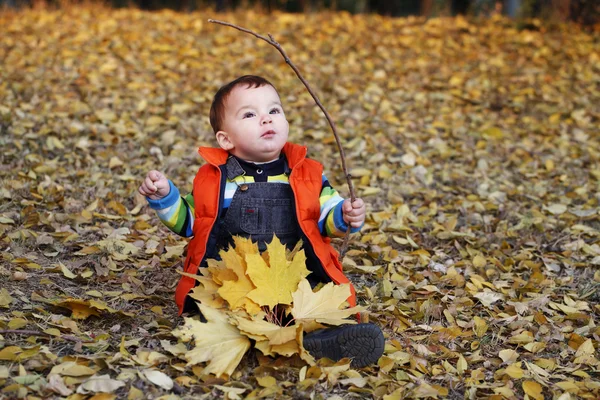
[(177, 212)]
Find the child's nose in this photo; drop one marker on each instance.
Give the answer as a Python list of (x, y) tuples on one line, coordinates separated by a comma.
[(266, 119)]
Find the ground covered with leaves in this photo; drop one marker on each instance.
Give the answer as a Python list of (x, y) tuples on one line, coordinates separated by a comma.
[(475, 145)]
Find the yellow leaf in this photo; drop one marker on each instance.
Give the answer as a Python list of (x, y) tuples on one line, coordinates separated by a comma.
[(17, 323), (287, 349), (323, 306), (261, 329), (369, 191), (508, 355), (535, 347), (66, 271), (219, 271), (264, 347), (480, 327), (106, 115), (245, 246), (155, 120), (266, 381), (114, 162), (358, 172), (479, 261), (505, 391), (206, 293), (71, 368), (533, 389), (235, 291), (424, 390), (9, 353), (493, 133), (80, 308), (275, 282), (515, 371), (568, 386), (585, 349), (52, 331), (461, 365), (5, 298), (216, 341), (521, 338), (231, 392)]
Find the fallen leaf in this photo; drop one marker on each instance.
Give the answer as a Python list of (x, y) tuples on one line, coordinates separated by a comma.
[(324, 306), (158, 378), (533, 390), (216, 341), (99, 384), (275, 282)]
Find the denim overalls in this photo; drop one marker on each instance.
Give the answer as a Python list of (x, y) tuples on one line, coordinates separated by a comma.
[(258, 210)]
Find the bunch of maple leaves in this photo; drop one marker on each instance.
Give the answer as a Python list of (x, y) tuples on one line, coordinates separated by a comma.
[(252, 295)]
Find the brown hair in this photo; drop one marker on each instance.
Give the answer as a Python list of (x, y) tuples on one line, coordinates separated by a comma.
[(217, 108)]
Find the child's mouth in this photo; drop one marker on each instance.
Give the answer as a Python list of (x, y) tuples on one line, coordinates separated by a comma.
[(268, 134)]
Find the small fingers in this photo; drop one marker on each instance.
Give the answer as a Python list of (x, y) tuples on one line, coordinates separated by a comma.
[(358, 203), (156, 176), (354, 212), (143, 190), (150, 186), (347, 206)]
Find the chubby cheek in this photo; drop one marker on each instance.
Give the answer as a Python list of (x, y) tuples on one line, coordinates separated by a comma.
[(285, 125)]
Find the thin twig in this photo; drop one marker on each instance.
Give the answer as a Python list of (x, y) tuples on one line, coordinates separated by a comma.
[(44, 334), (275, 44)]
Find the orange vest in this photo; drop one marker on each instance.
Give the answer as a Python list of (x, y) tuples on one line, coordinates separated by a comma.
[(306, 183)]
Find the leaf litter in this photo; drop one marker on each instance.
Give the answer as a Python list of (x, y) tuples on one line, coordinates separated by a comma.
[(474, 144)]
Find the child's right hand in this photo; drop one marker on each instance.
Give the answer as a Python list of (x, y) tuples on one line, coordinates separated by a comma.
[(155, 186)]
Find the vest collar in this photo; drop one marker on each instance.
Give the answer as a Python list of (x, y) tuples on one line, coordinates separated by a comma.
[(216, 156)]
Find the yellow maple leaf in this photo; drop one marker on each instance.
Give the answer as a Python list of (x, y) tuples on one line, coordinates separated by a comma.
[(207, 293), (218, 270), (245, 246), (275, 282), (261, 329), (324, 305), (216, 341), (235, 291), (287, 349)]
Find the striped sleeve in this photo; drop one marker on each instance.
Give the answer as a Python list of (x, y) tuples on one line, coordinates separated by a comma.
[(331, 220), (175, 211)]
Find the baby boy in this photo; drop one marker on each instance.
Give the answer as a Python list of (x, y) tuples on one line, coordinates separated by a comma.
[(256, 184)]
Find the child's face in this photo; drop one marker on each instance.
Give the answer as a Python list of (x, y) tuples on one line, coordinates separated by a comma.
[(254, 125)]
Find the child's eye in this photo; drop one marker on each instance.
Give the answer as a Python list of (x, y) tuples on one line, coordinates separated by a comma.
[(275, 111), (249, 115)]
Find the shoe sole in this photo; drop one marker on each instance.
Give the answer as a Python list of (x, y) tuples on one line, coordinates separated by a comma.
[(362, 343)]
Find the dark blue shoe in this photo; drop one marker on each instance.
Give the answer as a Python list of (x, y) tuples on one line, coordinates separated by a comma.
[(362, 343)]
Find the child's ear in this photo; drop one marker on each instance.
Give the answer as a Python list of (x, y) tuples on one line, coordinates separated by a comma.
[(223, 140)]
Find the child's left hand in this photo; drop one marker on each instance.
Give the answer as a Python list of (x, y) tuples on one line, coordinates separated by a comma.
[(354, 212)]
